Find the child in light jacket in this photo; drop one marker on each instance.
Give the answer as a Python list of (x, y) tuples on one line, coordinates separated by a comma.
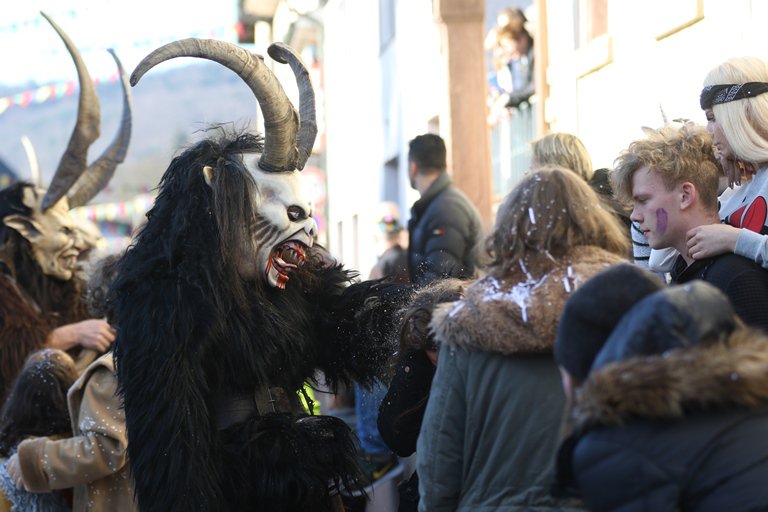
[(94, 461)]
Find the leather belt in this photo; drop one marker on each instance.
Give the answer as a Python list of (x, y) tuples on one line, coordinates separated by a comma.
[(237, 408)]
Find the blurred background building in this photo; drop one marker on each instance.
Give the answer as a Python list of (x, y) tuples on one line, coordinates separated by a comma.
[(384, 72)]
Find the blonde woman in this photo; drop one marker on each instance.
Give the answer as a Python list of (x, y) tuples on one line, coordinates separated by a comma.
[(567, 150), (564, 149), (735, 103)]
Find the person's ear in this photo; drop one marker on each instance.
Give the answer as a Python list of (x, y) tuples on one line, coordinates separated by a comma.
[(208, 175), (688, 195), (24, 226)]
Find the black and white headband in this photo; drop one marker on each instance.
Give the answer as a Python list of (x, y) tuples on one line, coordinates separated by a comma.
[(717, 94)]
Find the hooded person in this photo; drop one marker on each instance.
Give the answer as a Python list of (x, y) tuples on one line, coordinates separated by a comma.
[(673, 408), (40, 286), (612, 293), (492, 420), (226, 306), (36, 406)]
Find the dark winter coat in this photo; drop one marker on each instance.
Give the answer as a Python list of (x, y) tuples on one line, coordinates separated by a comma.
[(401, 413), (493, 417), (742, 280), (683, 430), (402, 409), (443, 230)]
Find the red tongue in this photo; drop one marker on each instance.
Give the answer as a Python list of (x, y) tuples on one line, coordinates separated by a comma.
[(281, 277), (278, 262)]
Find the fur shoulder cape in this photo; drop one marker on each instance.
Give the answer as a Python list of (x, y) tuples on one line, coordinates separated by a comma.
[(513, 316), (23, 329)]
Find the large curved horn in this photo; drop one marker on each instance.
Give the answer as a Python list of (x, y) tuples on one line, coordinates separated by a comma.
[(98, 174), (280, 118), (75, 159), (307, 121)]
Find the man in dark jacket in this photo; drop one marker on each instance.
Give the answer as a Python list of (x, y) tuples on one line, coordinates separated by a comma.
[(444, 226)]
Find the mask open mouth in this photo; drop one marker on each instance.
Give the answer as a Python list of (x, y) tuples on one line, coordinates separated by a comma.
[(282, 260), (70, 262), (67, 261)]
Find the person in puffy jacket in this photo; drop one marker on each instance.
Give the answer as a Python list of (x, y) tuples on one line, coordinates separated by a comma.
[(445, 226), (672, 411)]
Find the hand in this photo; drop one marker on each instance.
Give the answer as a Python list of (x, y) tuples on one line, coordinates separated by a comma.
[(95, 334), (432, 356), (14, 471), (711, 240)]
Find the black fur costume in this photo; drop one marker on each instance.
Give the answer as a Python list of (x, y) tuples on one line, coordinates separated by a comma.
[(192, 334)]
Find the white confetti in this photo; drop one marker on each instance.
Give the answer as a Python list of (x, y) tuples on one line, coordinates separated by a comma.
[(520, 293)]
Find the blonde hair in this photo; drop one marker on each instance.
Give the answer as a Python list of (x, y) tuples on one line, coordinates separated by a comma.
[(679, 154), (563, 149), (744, 122), (549, 213)]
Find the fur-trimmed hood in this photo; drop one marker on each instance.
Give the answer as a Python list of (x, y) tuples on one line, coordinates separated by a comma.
[(513, 316), (732, 374)]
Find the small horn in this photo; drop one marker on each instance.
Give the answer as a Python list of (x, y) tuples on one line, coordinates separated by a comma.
[(280, 118), (663, 115), (283, 54), (34, 165), (75, 159), (98, 174)]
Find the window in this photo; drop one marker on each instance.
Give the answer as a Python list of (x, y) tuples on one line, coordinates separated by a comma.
[(392, 181), (592, 41), (590, 21), (677, 16)]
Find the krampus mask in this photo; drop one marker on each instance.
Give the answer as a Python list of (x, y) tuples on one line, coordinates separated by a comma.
[(39, 241), (225, 307), (41, 217)]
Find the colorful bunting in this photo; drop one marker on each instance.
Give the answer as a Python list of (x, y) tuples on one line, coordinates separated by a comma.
[(42, 94), (58, 90), (125, 211)]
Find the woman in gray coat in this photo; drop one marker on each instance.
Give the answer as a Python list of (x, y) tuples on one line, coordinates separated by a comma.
[(492, 421)]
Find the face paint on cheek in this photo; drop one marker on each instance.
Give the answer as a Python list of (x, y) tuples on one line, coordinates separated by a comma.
[(661, 220)]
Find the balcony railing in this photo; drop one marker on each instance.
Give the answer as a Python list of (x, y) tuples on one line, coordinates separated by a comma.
[(511, 137)]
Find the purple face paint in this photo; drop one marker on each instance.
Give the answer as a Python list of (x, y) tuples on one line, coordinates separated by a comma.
[(661, 220)]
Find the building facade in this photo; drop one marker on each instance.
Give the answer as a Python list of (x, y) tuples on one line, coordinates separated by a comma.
[(393, 69)]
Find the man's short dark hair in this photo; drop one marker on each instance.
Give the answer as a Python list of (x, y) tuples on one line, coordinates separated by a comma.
[(428, 152)]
